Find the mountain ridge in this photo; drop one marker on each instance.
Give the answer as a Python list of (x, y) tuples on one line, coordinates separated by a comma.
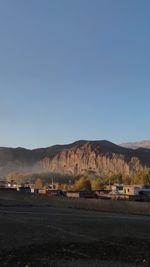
[(137, 144), (102, 157)]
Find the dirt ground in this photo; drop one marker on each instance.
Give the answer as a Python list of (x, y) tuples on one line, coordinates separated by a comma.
[(35, 235)]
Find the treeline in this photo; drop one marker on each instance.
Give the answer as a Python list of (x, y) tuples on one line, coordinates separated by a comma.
[(88, 181), (46, 178)]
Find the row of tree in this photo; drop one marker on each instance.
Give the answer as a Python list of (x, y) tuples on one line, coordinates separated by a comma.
[(80, 182)]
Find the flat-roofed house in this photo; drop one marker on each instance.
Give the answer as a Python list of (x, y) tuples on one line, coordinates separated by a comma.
[(3, 184), (131, 190)]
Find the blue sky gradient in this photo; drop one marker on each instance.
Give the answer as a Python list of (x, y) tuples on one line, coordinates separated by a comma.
[(74, 69)]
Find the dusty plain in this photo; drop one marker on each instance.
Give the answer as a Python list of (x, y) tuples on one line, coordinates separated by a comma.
[(33, 235)]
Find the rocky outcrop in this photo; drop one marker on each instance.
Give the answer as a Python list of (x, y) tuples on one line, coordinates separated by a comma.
[(87, 159), (99, 157)]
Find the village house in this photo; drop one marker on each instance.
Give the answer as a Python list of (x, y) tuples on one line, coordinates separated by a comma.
[(118, 189), (131, 190), (12, 184), (80, 194), (3, 184), (53, 186)]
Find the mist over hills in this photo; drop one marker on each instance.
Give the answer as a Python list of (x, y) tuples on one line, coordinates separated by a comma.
[(100, 157)]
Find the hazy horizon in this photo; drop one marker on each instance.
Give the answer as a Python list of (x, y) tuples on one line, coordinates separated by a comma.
[(73, 70)]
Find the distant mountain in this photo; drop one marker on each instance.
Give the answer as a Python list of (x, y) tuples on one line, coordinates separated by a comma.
[(99, 157), (135, 145)]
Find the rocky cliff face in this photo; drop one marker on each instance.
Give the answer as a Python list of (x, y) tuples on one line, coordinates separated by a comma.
[(87, 158), (100, 157)]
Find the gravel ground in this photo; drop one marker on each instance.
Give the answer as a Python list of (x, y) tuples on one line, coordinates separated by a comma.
[(32, 236)]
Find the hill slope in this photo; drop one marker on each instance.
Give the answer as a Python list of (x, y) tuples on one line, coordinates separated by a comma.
[(135, 145)]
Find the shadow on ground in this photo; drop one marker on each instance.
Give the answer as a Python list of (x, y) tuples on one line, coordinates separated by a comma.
[(112, 252)]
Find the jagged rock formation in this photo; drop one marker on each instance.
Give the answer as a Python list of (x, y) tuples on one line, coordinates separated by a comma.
[(99, 157)]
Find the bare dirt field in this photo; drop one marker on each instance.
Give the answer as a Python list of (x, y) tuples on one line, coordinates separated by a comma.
[(41, 235)]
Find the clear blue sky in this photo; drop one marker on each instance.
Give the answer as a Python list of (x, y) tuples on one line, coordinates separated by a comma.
[(74, 69)]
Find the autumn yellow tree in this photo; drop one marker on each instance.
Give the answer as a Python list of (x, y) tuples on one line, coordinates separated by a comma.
[(141, 177), (96, 184), (83, 184), (38, 184)]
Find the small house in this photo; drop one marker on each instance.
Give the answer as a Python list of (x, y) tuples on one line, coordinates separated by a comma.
[(118, 189), (3, 184), (54, 186), (42, 191), (80, 194), (131, 190), (12, 184)]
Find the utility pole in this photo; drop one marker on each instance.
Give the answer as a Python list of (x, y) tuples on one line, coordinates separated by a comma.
[(52, 183)]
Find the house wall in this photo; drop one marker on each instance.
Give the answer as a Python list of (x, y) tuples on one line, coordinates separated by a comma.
[(73, 194), (131, 190)]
